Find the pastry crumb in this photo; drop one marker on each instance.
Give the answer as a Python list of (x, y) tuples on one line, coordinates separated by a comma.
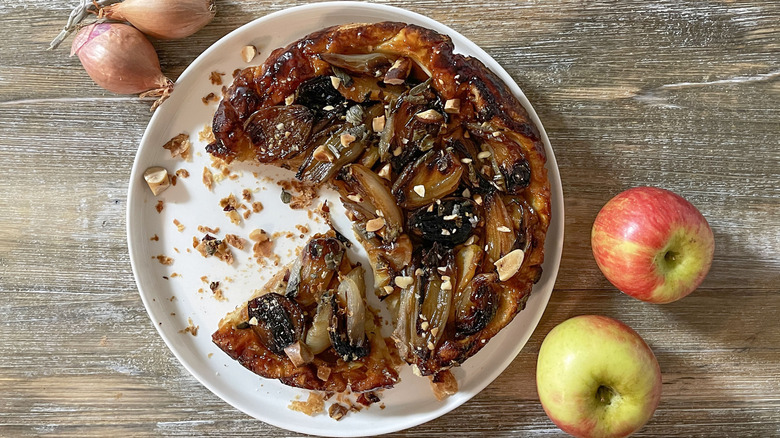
[(208, 178), (159, 207), (179, 146), (216, 78), (191, 328), (211, 97), (314, 405), (217, 291), (211, 246), (206, 134), (179, 225), (234, 241), (302, 194), (163, 259), (263, 247), (230, 205), (155, 238)]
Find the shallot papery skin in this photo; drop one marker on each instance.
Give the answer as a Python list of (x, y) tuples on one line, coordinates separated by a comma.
[(120, 59), (164, 19)]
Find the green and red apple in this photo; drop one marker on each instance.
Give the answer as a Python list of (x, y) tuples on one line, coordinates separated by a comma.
[(652, 244), (596, 377)]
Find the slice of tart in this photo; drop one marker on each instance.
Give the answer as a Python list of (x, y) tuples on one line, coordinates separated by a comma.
[(310, 327)]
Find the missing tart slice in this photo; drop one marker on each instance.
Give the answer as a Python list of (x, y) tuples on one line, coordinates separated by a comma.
[(440, 169)]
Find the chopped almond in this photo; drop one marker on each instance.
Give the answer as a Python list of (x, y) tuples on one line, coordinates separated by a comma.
[(378, 124), (258, 235), (398, 72), (429, 116), (157, 179), (298, 353), (323, 373), (323, 154), (403, 282), (347, 139), (375, 224), (384, 172), (452, 106), (508, 265), (248, 53)]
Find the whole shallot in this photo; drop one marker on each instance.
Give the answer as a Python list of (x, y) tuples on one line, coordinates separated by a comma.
[(163, 19), (121, 59)]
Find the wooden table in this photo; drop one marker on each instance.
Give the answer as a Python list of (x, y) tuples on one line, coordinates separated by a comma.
[(678, 94)]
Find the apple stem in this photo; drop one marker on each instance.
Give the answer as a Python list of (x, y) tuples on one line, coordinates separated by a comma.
[(604, 394)]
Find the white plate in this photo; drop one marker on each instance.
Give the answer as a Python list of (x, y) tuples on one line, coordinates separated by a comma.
[(408, 404)]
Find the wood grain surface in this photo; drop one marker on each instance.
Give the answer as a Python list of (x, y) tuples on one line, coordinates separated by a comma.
[(679, 94)]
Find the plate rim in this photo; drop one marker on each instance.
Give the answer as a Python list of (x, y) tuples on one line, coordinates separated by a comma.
[(556, 221)]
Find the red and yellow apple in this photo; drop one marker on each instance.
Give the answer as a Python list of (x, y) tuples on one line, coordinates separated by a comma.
[(652, 244), (596, 377)]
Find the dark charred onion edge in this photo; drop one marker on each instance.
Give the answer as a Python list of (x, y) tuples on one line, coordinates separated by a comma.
[(477, 305)]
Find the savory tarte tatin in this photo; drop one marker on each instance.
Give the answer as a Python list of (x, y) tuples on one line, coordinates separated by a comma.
[(438, 165)]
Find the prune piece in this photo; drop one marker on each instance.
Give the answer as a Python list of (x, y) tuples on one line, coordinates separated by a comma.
[(318, 93), (277, 320), (449, 222)]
